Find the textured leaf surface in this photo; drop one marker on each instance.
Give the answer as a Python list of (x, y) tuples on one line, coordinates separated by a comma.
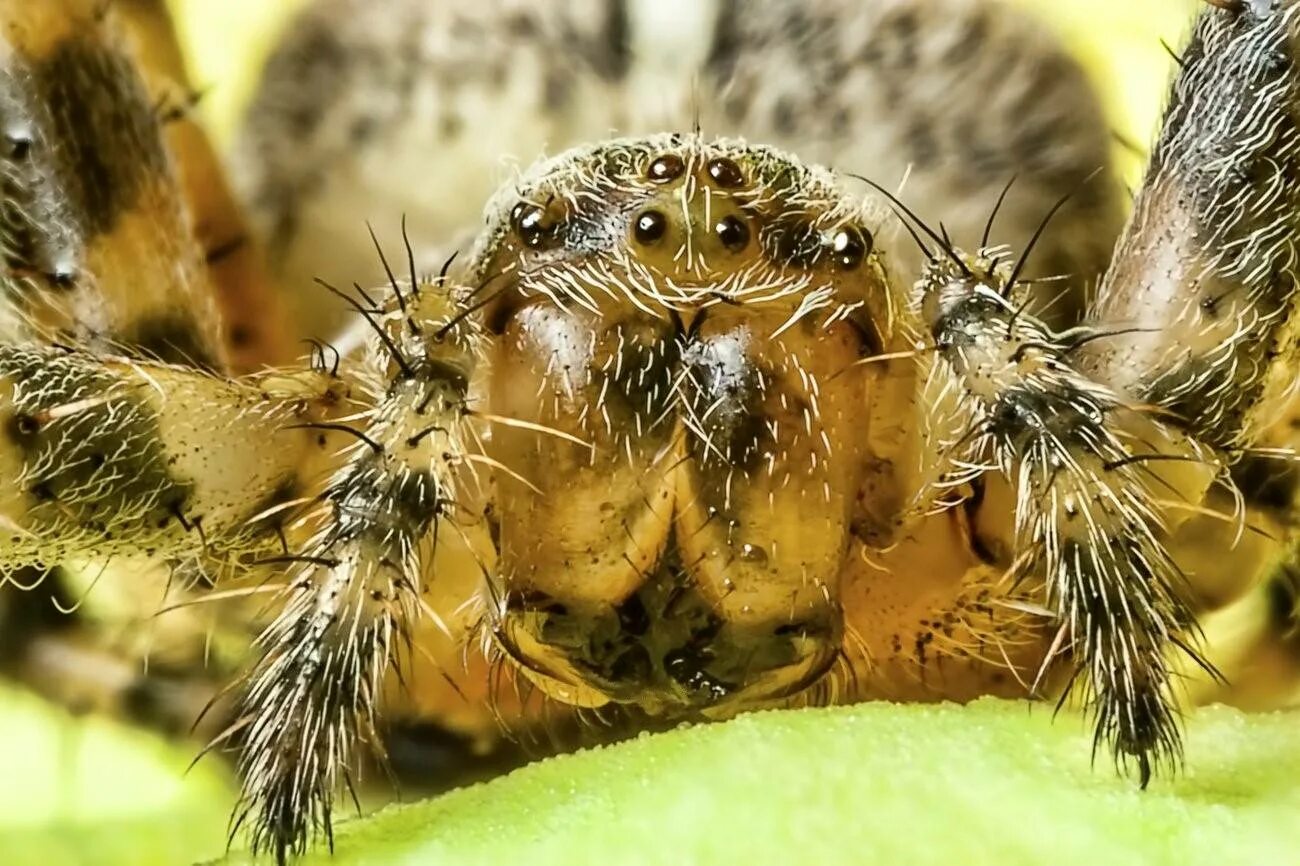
[(991, 783)]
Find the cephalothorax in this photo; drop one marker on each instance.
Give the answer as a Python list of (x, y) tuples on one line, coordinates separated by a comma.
[(689, 425)]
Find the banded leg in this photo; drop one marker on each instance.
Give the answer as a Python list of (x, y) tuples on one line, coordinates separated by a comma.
[(94, 235), (136, 479), (1098, 427), (97, 251), (116, 458), (1086, 468), (355, 600), (1204, 282)]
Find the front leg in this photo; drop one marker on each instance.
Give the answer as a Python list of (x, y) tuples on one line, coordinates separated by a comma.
[(359, 591), (1202, 290), (1085, 469), (1202, 295), (1187, 359)]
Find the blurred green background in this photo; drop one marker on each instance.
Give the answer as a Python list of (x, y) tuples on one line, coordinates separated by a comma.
[(86, 791)]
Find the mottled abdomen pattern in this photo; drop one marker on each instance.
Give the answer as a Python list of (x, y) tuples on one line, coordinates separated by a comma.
[(426, 108)]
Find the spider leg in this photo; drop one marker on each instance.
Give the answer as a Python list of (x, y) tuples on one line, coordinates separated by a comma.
[(355, 600), (109, 457), (132, 484), (95, 241), (1196, 315), (1188, 357), (254, 326), (1085, 466), (1203, 289)]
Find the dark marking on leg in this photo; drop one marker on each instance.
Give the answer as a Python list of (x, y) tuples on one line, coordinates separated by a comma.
[(1267, 482), (224, 250), (174, 339), (109, 143)]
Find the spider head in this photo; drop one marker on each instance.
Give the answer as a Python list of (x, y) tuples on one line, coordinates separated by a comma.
[(677, 329)]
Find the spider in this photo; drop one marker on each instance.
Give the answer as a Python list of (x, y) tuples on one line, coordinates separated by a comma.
[(688, 424)]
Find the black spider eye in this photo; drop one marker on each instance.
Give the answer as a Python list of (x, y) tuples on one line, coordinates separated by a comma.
[(532, 226), (650, 227), (850, 246), (666, 167), (20, 145), (63, 276), (733, 233), (725, 172)]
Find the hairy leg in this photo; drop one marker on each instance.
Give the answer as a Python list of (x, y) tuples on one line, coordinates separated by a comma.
[(350, 613), (349, 115), (1104, 431), (94, 234), (1204, 285), (110, 457)]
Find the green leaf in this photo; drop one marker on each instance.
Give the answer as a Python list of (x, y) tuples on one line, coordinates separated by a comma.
[(991, 783), (77, 791)]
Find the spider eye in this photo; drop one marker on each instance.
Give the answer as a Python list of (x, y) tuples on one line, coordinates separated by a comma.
[(535, 227), (725, 172), (732, 232), (850, 246), (650, 227), (665, 168)]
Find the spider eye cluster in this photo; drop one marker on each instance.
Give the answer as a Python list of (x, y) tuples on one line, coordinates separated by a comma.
[(697, 214), (687, 212)]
